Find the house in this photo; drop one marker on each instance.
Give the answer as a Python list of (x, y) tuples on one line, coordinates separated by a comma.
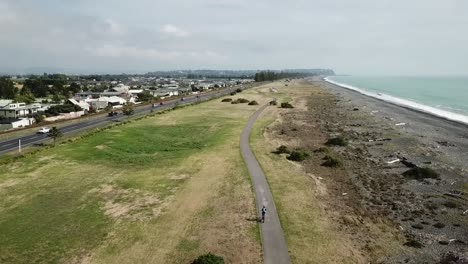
[(113, 101), (17, 110), (120, 88), (16, 123), (98, 105), (165, 93), (81, 103)]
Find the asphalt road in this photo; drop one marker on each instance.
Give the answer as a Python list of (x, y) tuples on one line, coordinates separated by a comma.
[(275, 250), (33, 139)]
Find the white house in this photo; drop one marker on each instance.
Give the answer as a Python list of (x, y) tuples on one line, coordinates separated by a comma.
[(81, 103), (17, 110)]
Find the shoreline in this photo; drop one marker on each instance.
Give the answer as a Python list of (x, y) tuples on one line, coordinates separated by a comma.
[(459, 118)]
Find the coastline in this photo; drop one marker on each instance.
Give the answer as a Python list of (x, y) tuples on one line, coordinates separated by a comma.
[(429, 213), (415, 106)]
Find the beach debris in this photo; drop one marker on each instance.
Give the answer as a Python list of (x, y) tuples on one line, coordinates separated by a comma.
[(464, 213), (383, 139), (393, 161), (400, 124), (445, 144), (375, 111), (355, 109), (344, 194), (407, 163)]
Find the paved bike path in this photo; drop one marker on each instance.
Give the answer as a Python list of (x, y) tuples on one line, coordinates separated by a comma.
[(275, 250)]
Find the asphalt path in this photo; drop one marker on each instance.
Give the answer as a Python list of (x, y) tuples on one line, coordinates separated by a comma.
[(35, 139), (275, 250)]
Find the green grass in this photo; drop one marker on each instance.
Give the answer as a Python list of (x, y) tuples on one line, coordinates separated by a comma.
[(50, 226), (145, 145)]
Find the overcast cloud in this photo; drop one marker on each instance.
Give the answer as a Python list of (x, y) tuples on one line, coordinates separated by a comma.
[(356, 37)]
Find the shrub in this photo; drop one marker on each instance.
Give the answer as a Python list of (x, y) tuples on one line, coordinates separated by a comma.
[(323, 150), (227, 100), (243, 100), (235, 102), (419, 173), (332, 161), (298, 155), (273, 102), (128, 109), (286, 105), (413, 243), (209, 259), (238, 90), (233, 93), (282, 149), (338, 141), (253, 103)]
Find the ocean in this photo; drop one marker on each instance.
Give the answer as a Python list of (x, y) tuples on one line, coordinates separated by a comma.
[(446, 97)]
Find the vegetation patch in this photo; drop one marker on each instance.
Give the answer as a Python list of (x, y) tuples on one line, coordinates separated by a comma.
[(337, 141), (140, 144), (419, 173), (253, 103), (226, 100), (286, 105), (209, 259), (298, 155), (282, 149), (413, 243), (332, 161)]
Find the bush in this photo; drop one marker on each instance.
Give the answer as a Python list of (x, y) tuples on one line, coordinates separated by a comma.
[(323, 150), (243, 101), (227, 100), (332, 161), (238, 90), (128, 109), (286, 105), (419, 173), (282, 149), (253, 103), (298, 155), (338, 141), (273, 102), (233, 93), (235, 102), (209, 259)]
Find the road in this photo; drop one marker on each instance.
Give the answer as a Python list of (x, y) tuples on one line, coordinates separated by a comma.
[(33, 139), (274, 246)]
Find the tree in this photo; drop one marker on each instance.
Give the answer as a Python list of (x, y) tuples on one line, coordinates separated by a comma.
[(209, 259), (128, 109), (55, 133), (37, 87), (7, 89), (74, 88), (145, 96)]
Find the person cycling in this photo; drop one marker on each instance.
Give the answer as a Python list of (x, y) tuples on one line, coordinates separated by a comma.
[(263, 214)]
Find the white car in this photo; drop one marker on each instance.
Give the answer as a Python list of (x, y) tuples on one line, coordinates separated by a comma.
[(43, 130)]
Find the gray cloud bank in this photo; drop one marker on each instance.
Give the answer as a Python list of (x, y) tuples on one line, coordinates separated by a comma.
[(357, 37)]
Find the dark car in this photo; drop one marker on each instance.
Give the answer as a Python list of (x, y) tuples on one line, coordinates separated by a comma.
[(113, 113), (182, 99), (161, 103)]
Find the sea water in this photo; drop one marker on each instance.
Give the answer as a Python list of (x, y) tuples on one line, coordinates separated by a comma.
[(446, 97)]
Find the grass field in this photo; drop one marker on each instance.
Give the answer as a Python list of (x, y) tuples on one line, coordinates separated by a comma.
[(309, 235), (163, 189)]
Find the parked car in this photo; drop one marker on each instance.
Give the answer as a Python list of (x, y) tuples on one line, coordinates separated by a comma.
[(182, 99), (43, 130), (113, 113), (161, 103)]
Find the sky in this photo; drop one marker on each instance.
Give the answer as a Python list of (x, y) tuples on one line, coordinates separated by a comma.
[(366, 37)]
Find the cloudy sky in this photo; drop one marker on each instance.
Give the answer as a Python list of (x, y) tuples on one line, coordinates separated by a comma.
[(354, 37)]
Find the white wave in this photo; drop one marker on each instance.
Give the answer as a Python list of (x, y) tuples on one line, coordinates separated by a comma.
[(406, 103)]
